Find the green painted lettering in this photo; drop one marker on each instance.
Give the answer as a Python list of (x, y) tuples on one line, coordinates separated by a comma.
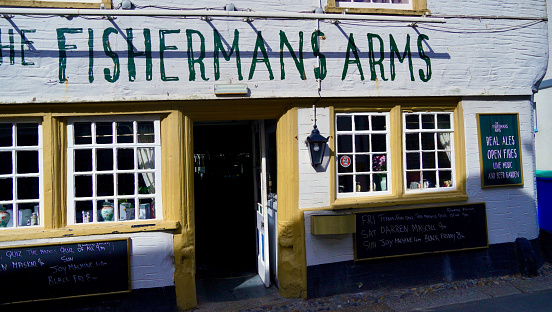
[(199, 60), (395, 51), (149, 64), (351, 46), (320, 71), (90, 55), (424, 76), (372, 57), (162, 48), (131, 55), (298, 63), (259, 44), (62, 48), (25, 41), (109, 52), (220, 48)]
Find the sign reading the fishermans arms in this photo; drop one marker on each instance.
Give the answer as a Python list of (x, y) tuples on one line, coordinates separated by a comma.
[(500, 151)]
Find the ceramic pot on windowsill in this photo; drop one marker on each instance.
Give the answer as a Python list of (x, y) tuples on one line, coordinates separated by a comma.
[(4, 217), (107, 211)]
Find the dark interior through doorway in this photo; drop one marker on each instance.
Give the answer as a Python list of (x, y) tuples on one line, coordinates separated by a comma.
[(224, 200)]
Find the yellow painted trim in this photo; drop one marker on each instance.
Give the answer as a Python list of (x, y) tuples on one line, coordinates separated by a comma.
[(419, 7), (54, 4), (176, 151), (292, 263), (87, 230)]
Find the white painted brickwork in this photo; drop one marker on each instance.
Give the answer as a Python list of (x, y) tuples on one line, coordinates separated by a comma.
[(151, 256)]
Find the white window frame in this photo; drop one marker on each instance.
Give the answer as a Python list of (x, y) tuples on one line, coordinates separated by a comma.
[(71, 208), (451, 151), (14, 175), (353, 133), (371, 5)]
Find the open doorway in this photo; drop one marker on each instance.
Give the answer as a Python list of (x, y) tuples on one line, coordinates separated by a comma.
[(226, 190)]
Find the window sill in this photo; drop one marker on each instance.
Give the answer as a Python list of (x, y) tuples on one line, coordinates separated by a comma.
[(388, 201), (329, 9), (88, 229)]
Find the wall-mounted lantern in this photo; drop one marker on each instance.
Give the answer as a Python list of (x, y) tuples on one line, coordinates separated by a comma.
[(317, 144)]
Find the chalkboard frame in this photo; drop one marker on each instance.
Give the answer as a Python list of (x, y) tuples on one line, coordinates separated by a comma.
[(485, 246), (519, 161), (127, 289)]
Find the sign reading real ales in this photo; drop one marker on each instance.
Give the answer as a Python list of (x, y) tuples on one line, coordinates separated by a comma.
[(500, 151)]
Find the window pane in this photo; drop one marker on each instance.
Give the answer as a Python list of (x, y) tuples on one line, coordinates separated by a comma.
[(104, 159), (27, 188), (104, 133), (146, 158), (413, 180), (443, 121), (379, 143), (104, 185), (346, 184), (125, 184), (344, 143), (6, 189), (83, 160), (84, 211), (146, 183), (344, 123), (430, 179), (125, 159), (345, 169), (6, 134), (124, 132), (378, 123), (25, 214), (147, 208), (362, 143), (428, 160), (362, 163), (361, 123), (412, 142), (412, 122), (6, 163), (27, 134), (412, 161), (379, 163), (443, 141), (146, 132), (83, 186), (106, 211), (9, 210), (445, 178), (127, 211), (27, 161), (362, 183), (428, 141), (380, 182), (83, 133), (444, 159), (428, 122)]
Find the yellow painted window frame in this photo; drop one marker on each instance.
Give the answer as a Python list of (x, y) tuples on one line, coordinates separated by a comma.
[(398, 194), (419, 7), (55, 4)]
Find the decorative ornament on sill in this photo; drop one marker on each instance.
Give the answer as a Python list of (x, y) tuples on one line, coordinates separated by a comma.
[(107, 211)]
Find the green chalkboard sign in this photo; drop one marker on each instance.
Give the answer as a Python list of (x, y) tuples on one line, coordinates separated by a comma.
[(500, 150)]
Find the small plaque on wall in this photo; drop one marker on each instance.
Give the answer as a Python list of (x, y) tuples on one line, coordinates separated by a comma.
[(500, 150)]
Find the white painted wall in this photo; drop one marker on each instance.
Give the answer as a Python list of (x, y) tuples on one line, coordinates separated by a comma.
[(151, 256)]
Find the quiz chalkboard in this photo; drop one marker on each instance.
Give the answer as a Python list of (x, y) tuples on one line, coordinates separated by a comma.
[(499, 146), (41, 272), (391, 233)]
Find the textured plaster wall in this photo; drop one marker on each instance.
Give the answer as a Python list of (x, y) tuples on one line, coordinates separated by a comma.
[(151, 256)]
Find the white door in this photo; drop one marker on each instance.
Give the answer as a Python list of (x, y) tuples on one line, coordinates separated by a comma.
[(259, 164)]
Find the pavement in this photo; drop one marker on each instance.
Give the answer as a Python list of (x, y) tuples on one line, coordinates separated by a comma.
[(503, 293)]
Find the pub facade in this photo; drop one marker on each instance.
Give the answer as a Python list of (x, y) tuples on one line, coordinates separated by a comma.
[(176, 134)]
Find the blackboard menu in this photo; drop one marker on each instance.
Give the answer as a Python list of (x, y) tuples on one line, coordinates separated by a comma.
[(41, 272), (500, 151), (423, 230)]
